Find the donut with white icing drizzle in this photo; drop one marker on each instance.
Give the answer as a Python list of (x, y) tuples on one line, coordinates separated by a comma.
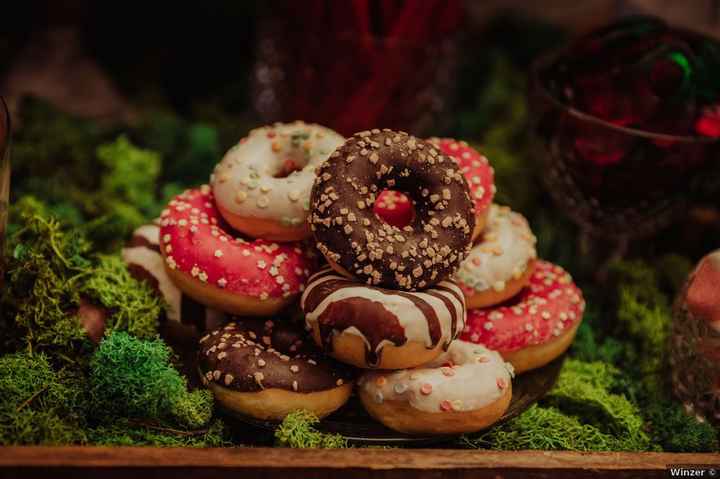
[(478, 172), (501, 262), (145, 263), (465, 389), (359, 244), (535, 326), (209, 263), (372, 327), (262, 185)]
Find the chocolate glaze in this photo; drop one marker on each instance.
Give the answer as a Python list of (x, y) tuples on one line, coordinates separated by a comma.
[(371, 318), (348, 233), (250, 355)]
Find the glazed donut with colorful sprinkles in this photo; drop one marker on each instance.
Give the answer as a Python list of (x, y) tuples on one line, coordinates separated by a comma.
[(372, 327), (357, 243), (535, 326), (267, 369), (463, 390), (501, 262), (478, 172), (262, 185), (213, 266)]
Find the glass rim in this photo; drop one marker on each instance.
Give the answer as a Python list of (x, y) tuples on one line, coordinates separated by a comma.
[(546, 59)]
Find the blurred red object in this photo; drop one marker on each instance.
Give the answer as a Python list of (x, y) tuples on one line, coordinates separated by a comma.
[(377, 64)]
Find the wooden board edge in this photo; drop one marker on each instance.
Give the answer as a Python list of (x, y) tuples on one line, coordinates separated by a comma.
[(367, 459)]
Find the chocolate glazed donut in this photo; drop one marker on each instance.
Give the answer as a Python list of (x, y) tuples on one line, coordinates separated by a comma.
[(356, 242), (372, 327)]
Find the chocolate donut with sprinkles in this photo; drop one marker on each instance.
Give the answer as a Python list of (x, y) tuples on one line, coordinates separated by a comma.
[(478, 172), (372, 327), (535, 326), (216, 268), (267, 369), (463, 390), (357, 243)]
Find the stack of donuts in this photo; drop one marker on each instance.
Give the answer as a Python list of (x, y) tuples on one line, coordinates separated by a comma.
[(312, 263)]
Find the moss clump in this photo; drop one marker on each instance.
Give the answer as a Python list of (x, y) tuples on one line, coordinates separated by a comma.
[(298, 431), (543, 428), (44, 263), (38, 405), (129, 181), (49, 267), (133, 305), (672, 429), (133, 378), (584, 389)]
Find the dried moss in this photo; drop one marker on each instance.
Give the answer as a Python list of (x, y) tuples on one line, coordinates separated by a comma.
[(543, 428), (298, 431), (133, 305), (124, 432)]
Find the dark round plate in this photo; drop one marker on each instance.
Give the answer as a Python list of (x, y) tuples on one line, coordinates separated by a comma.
[(354, 423)]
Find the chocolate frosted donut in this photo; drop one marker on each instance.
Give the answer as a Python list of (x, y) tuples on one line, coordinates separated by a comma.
[(357, 242), (267, 369), (373, 327)]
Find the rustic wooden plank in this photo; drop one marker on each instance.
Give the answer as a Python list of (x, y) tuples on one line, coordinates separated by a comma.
[(58, 462)]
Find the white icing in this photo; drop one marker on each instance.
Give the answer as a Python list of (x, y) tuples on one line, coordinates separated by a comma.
[(410, 317), (244, 181), (151, 233), (471, 385), (153, 263), (503, 253)]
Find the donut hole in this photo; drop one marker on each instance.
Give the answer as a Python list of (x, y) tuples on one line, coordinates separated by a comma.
[(395, 208), (287, 167)]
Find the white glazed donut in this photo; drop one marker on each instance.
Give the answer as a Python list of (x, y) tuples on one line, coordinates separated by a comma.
[(501, 263), (465, 389), (262, 185), (373, 327)]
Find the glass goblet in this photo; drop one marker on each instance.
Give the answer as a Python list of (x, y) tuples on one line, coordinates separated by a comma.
[(617, 183)]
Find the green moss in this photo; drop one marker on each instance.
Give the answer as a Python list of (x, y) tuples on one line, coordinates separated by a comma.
[(133, 305), (124, 432), (543, 428), (131, 174), (43, 266), (133, 378), (298, 431), (38, 405), (675, 431), (584, 389)]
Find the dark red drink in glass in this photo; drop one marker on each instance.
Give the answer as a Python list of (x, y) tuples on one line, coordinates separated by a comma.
[(619, 157)]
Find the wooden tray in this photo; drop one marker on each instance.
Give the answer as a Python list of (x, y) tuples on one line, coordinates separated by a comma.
[(277, 463), (353, 422)]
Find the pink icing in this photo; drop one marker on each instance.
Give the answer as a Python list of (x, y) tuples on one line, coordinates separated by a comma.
[(550, 305), (394, 208), (476, 168), (195, 240)]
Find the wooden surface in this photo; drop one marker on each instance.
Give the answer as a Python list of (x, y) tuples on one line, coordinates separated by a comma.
[(243, 463)]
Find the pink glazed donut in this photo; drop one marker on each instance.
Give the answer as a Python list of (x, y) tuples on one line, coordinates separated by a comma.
[(535, 326), (478, 173), (209, 263)]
